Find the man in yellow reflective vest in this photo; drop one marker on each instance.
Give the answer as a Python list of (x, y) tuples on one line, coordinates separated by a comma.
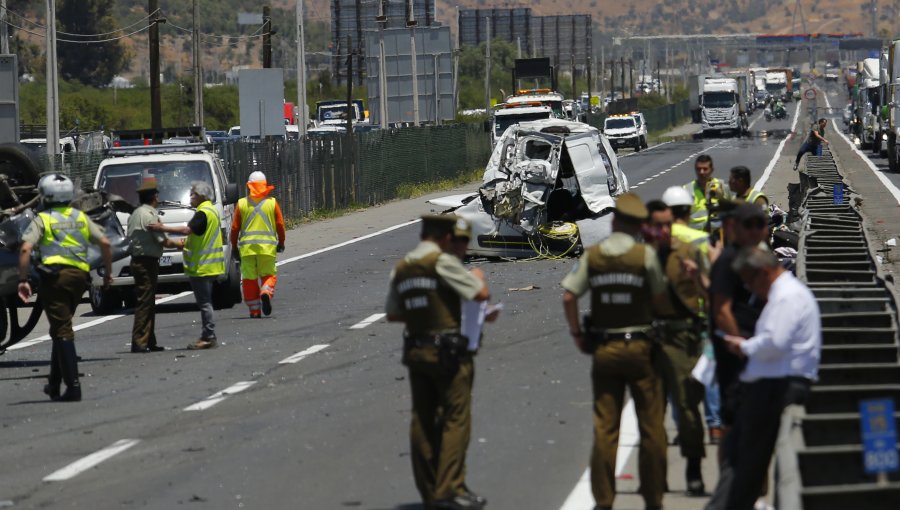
[(739, 182), (204, 258), (257, 233), (61, 234), (705, 191)]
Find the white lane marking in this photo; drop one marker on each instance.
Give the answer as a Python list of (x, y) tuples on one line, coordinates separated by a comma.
[(346, 243), (676, 165), (28, 343), (34, 341), (85, 463), (647, 149), (581, 497), (368, 321), (771, 166), (872, 166), (303, 354), (215, 398)]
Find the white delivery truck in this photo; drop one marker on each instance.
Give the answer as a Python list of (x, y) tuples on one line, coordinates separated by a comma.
[(506, 115)]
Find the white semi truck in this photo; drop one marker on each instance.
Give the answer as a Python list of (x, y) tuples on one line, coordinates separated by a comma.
[(722, 107), (893, 120), (867, 101)]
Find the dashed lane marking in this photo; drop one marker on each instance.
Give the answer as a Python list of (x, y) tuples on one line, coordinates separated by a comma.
[(375, 317), (872, 166), (220, 396), (85, 463), (303, 354), (676, 165)]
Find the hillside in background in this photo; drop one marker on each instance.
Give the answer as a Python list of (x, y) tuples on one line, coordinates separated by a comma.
[(611, 18)]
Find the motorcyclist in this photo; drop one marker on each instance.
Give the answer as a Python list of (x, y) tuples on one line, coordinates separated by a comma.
[(779, 109)]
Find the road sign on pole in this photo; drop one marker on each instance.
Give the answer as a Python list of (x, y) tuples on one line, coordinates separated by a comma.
[(879, 435), (810, 94)]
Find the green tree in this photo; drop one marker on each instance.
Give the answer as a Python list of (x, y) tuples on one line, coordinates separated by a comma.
[(92, 64)]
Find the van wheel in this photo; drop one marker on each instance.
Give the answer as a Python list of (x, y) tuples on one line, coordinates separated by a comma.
[(227, 293), (105, 302)]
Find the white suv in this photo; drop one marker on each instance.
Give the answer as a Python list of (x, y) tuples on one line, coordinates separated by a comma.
[(623, 131), (173, 167)]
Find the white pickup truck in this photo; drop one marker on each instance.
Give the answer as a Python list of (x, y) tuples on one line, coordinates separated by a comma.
[(174, 167)]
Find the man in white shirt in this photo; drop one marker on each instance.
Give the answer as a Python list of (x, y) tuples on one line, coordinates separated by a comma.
[(782, 361)]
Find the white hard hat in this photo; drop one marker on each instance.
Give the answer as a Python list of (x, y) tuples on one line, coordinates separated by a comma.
[(676, 196), (257, 176), (56, 188)]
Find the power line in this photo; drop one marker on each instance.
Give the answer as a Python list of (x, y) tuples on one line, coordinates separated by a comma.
[(38, 25), (76, 41), (254, 35)]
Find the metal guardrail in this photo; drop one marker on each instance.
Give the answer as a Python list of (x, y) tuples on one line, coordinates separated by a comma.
[(819, 452)]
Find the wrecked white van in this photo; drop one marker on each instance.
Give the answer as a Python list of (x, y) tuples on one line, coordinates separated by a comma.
[(544, 178)]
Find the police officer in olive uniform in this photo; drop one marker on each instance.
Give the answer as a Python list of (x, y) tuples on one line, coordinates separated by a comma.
[(626, 284), (61, 234), (426, 290), (681, 323)]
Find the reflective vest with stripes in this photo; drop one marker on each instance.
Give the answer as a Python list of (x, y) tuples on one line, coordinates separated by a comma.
[(699, 212), (257, 236), (65, 239), (692, 236), (203, 254), (752, 195)]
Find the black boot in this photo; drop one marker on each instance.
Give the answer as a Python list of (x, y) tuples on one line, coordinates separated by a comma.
[(70, 371), (694, 478), (52, 386)]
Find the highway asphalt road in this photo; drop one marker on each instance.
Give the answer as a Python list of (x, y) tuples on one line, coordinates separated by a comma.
[(316, 410)]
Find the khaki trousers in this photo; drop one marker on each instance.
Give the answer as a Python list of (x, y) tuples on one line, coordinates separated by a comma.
[(679, 354), (146, 274), (61, 293), (619, 364), (441, 423)]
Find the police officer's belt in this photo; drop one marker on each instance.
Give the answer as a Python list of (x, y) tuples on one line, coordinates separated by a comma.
[(603, 336), (449, 339), (677, 325)]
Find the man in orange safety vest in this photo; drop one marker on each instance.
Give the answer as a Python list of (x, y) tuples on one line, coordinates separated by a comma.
[(257, 232)]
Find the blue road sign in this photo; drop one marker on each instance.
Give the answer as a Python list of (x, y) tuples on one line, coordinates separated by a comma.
[(879, 435)]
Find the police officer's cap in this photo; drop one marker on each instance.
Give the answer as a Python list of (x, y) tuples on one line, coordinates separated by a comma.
[(441, 224), (462, 229), (631, 205)]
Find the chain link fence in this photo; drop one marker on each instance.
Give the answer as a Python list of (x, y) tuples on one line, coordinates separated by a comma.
[(327, 172)]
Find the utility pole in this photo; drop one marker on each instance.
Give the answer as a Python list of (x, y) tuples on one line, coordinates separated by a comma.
[(198, 72), (487, 66), (4, 30), (612, 79), (155, 101), (874, 23), (602, 69), (573, 76), (381, 19), (52, 84), (303, 117), (267, 37), (411, 23), (622, 69), (350, 54), (518, 47), (590, 94)]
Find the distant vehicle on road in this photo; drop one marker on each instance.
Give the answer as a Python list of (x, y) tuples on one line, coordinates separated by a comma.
[(623, 131), (217, 136), (174, 167)]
